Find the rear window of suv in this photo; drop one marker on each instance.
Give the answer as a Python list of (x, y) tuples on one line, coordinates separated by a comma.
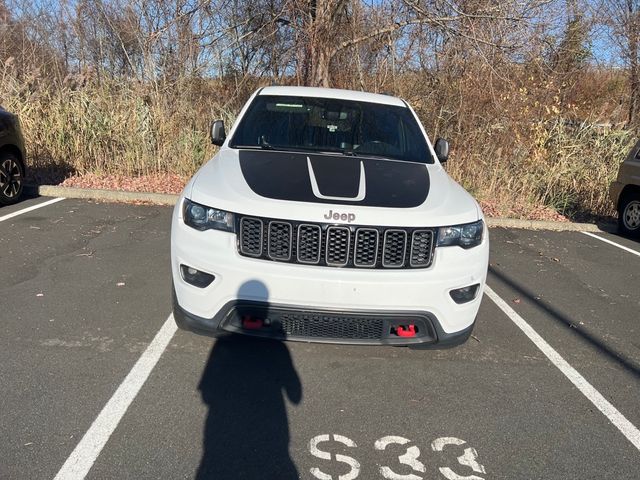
[(330, 125)]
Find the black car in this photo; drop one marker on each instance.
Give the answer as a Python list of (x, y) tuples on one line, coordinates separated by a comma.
[(12, 158)]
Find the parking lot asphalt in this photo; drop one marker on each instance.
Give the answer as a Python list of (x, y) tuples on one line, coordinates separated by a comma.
[(86, 287)]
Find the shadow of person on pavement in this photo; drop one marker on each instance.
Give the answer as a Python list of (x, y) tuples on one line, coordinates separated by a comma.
[(246, 435)]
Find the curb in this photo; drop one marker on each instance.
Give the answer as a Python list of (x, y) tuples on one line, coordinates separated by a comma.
[(546, 225), (108, 195), (168, 199)]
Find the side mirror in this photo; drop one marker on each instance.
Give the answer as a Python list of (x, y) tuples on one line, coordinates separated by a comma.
[(442, 150), (218, 135)]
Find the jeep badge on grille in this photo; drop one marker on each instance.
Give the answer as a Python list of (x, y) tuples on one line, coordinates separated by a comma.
[(345, 217)]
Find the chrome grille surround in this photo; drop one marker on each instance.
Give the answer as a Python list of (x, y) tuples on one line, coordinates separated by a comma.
[(338, 246)]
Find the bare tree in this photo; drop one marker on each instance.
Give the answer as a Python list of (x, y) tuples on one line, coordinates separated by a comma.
[(326, 27), (623, 17)]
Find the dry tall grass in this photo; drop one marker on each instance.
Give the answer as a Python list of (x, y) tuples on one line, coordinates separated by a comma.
[(114, 127), (567, 168), (503, 157), (534, 142)]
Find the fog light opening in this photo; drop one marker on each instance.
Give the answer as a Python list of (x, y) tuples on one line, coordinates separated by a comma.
[(464, 294), (195, 277)]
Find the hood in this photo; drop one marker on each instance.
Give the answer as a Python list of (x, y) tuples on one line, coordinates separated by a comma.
[(335, 179), (313, 187)]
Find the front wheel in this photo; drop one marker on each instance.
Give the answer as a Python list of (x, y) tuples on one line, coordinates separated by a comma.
[(629, 215), (11, 178)]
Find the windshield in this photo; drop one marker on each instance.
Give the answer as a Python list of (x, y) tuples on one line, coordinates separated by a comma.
[(330, 125)]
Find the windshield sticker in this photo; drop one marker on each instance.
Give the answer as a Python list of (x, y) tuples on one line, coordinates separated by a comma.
[(332, 128)]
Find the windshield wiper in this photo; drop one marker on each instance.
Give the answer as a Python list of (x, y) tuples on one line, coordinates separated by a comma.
[(262, 144), (253, 147)]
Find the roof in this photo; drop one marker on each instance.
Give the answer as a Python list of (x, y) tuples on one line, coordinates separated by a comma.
[(333, 93)]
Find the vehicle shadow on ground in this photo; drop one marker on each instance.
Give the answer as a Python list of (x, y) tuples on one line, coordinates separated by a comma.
[(244, 385), (623, 237), (29, 193), (627, 360), (611, 228)]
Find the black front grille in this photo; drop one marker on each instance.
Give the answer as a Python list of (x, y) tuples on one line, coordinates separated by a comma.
[(280, 240), (329, 326), (338, 246), (309, 237), (366, 250), (335, 245), (395, 248), (251, 237), (421, 245)]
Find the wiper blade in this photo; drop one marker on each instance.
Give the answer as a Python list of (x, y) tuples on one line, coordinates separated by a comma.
[(253, 147)]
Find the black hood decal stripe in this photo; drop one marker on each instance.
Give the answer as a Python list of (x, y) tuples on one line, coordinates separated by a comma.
[(362, 186), (335, 179)]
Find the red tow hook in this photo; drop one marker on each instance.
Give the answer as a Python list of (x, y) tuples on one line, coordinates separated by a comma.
[(250, 323), (409, 331)]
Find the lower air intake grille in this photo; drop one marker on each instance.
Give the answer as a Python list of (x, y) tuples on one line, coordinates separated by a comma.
[(323, 326), (299, 323)]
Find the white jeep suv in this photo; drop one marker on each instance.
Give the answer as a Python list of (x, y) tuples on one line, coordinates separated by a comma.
[(327, 216)]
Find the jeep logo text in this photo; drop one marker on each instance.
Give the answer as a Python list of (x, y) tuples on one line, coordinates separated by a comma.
[(345, 217)]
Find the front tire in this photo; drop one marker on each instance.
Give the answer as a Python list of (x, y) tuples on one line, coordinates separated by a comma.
[(629, 215), (11, 178)]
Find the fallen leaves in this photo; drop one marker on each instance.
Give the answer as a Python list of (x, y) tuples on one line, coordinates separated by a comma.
[(524, 211), (157, 183)]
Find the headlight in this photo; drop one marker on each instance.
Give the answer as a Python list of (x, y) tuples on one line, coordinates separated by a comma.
[(204, 218), (465, 236)]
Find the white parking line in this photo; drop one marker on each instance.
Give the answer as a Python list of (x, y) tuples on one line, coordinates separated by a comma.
[(29, 209), (629, 430), (606, 240), (86, 452)]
